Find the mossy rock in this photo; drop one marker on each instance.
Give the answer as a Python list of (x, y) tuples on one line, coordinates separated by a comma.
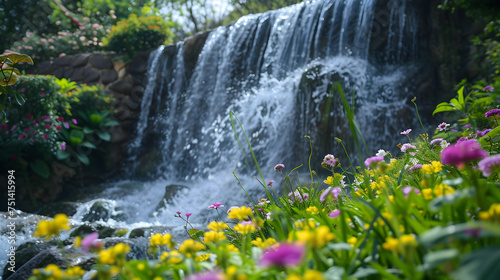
[(102, 210)]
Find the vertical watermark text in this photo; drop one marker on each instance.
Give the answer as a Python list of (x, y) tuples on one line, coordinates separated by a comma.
[(11, 217)]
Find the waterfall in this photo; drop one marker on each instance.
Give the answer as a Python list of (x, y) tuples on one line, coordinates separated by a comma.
[(274, 71)]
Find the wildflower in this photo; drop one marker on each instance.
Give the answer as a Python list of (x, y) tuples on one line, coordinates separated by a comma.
[(432, 168), (22, 136), (209, 275), (47, 126), (463, 152), (313, 275), (408, 240), (161, 240), (58, 127), (407, 190), (492, 215), (245, 227), (467, 125), (285, 254), (329, 162), (30, 117), (494, 112), (189, 247), (60, 119), (263, 202), (63, 147), (373, 160), (240, 213), (437, 140), (334, 191), (188, 215), (406, 132), (45, 118), (353, 240), (443, 126), (318, 237), (334, 214), (270, 182), (217, 226), (13, 127), (74, 121), (279, 167), (90, 242), (415, 167), (263, 244), (407, 147), (66, 125), (381, 153), (216, 205), (3, 126), (490, 88), (213, 236), (296, 195), (52, 228), (391, 244), (23, 89), (483, 133), (313, 210), (490, 165), (45, 136), (112, 254)]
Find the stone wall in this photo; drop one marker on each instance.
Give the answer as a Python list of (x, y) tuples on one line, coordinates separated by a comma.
[(125, 81)]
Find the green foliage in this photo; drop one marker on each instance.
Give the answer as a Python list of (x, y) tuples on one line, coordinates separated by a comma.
[(479, 9), (138, 33), (243, 7)]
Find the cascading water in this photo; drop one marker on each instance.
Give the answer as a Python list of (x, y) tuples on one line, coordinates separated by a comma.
[(274, 71)]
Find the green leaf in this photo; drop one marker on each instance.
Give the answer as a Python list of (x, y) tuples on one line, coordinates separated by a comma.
[(434, 259), (340, 246), (61, 155), (4, 78), (481, 264), (461, 98), (88, 145), (76, 136), (19, 99), (363, 272), (453, 182), (95, 118), (87, 130), (196, 233), (443, 107), (111, 123), (16, 58), (334, 273), (83, 158), (104, 135), (451, 198), (40, 168)]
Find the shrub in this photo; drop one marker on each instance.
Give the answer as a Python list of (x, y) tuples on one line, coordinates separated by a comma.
[(138, 33)]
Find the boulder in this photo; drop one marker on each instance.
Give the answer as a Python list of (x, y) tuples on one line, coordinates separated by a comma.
[(102, 210), (88, 228), (90, 76), (108, 76), (77, 75), (63, 60), (100, 61), (52, 209), (121, 86), (148, 231), (80, 60), (192, 49), (31, 256), (170, 192)]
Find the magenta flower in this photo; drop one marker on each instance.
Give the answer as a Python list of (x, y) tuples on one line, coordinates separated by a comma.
[(279, 167), (178, 212), (334, 191), (210, 275), (90, 242), (45, 118), (60, 119), (63, 147), (463, 152), (407, 147), (36, 121), (32, 140), (330, 160), (23, 89), (443, 126), (407, 190), (13, 127), (47, 126), (45, 136), (23, 136), (372, 160), (42, 94), (216, 205), (66, 125), (3, 126), (334, 214), (270, 182), (489, 165), (188, 214), (467, 125), (493, 112), (437, 140), (285, 254), (490, 88), (413, 168), (406, 132), (30, 117), (74, 121), (27, 129), (58, 127)]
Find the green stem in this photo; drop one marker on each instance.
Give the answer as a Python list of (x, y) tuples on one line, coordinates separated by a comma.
[(418, 115)]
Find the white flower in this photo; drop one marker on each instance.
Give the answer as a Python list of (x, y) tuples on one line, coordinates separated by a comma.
[(444, 144), (381, 153)]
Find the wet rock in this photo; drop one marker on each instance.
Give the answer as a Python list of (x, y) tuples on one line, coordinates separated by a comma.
[(100, 61), (90, 76), (102, 210), (27, 253), (80, 60), (148, 231), (58, 72), (138, 65), (63, 60), (121, 86), (45, 68), (68, 72), (77, 75), (108, 76), (192, 49), (88, 228), (52, 209), (170, 192)]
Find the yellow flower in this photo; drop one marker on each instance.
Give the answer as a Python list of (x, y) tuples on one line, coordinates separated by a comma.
[(240, 213), (427, 193), (432, 168), (353, 240), (492, 215), (189, 247), (263, 244), (313, 210), (293, 277), (408, 240), (213, 236), (305, 224), (52, 228), (201, 258), (161, 240), (217, 226), (55, 270), (317, 238), (329, 180), (443, 189), (110, 255), (75, 271), (391, 244), (78, 242), (174, 257), (313, 275), (244, 228)]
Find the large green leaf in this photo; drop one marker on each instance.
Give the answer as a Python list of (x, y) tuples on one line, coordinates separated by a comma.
[(76, 136), (16, 58), (19, 98), (61, 155), (95, 118), (434, 259), (104, 135), (40, 168), (88, 145), (4, 78), (480, 265), (451, 198), (444, 107), (83, 158)]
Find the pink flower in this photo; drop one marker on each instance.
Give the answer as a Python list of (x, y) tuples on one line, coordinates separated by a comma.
[(58, 127), (407, 190), (63, 147), (188, 214), (27, 129), (42, 94), (30, 117), (463, 152), (66, 125), (270, 182), (285, 254), (36, 121), (413, 168), (334, 191), (407, 147), (216, 205), (334, 214), (489, 165), (467, 125), (372, 160), (60, 119), (23, 89), (493, 112), (437, 140), (210, 275), (406, 132), (3, 126), (329, 160), (74, 121), (45, 118), (45, 136), (47, 126), (13, 127), (490, 88), (443, 126), (279, 167), (23, 136), (178, 213), (90, 242)]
